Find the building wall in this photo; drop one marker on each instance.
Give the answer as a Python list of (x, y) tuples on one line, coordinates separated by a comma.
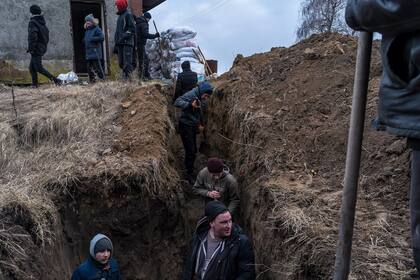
[(15, 16)]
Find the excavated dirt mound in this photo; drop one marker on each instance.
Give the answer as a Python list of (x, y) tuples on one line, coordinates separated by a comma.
[(83, 160), (281, 120)]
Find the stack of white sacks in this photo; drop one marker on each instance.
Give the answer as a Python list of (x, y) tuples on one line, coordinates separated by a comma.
[(177, 46)]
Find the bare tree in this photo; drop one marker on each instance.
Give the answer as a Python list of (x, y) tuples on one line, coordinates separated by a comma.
[(321, 16)]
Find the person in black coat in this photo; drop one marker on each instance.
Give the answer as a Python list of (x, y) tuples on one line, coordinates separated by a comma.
[(124, 38), (142, 34), (186, 80), (399, 95), (219, 249), (38, 38)]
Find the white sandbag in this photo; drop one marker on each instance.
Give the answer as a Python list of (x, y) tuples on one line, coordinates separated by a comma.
[(187, 49), (198, 68), (183, 44), (190, 59), (184, 37), (186, 54)]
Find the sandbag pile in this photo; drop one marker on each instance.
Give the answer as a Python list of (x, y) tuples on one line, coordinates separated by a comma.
[(176, 46)]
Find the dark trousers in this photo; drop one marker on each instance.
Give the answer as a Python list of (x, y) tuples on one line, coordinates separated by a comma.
[(94, 70), (35, 67), (125, 59), (143, 60), (188, 136), (415, 206)]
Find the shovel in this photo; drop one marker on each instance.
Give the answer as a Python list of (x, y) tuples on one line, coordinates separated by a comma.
[(354, 148)]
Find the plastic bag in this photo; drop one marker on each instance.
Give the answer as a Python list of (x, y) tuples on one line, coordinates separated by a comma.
[(69, 77)]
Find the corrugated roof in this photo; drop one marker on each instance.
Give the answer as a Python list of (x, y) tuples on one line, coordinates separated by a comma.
[(150, 4)]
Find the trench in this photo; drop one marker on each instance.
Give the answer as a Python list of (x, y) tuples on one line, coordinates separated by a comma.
[(151, 232)]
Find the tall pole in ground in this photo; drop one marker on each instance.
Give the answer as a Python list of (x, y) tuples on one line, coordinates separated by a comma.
[(354, 148)]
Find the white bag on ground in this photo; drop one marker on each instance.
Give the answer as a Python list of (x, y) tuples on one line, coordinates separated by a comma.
[(69, 77)]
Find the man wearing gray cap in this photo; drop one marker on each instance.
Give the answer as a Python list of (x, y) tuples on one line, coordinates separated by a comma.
[(219, 248), (100, 265)]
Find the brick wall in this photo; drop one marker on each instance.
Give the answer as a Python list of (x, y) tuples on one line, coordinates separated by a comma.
[(136, 7)]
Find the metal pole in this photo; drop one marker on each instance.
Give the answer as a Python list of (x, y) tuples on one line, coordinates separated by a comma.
[(354, 147)]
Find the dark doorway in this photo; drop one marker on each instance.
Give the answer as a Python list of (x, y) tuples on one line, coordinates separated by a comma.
[(79, 10)]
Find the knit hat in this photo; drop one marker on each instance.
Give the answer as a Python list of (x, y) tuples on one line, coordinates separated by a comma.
[(35, 10), (89, 18), (186, 65), (147, 15), (121, 5), (213, 209), (205, 87), (100, 243), (215, 165)]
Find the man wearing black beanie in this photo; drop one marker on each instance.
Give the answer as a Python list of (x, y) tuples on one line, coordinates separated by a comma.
[(38, 38), (100, 264), (186, 80), (219, 249)]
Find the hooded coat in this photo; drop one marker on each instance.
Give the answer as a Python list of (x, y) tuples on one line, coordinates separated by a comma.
[(38, 36), (399, 95), (93, 41), (235, 262), (226, 185), (93, 270), (191, 116)]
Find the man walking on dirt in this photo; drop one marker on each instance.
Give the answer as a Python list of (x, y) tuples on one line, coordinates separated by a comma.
[(399, 95), (214, 182), (186, 80), (142, 33), (100, 265), (191, 121), (219, 248), (124, 38), (38, 38)]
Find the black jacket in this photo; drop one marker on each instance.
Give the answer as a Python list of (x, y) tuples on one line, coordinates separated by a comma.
[(235, 262), (142, 31), (399, 94), (186, 81), (38, 36), (125, 30)]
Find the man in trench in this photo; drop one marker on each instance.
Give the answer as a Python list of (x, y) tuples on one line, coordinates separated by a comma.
[(214, 182), (191, 122), (100, 264), (219, 248), (399, 94), (186, 80)]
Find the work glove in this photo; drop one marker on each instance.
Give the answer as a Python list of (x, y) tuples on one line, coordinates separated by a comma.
[(157, 35)]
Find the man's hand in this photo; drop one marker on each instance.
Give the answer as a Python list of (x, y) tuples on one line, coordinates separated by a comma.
[(214, 194), (195, 104)]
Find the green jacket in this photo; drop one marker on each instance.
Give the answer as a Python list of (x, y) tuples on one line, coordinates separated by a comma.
[(226, 185)]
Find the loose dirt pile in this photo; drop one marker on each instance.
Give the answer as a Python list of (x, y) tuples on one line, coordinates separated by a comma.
[(281, 119)]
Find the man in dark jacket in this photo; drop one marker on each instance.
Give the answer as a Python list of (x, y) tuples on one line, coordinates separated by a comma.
[(93, 48), (191, 121), (219, 249), (100, 265), (142, 33), (124, 38), (38, 38), (399, 95), (186, 80)]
